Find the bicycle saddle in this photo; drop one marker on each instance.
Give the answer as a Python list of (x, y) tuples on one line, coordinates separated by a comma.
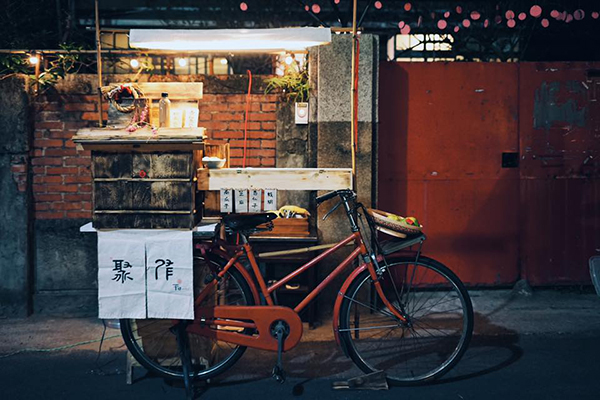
[(243, 222)]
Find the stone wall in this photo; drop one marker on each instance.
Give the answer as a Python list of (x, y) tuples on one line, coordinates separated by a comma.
[(15, 215)]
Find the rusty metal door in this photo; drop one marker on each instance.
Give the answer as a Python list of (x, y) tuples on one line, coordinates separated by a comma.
[(498, 161), (560, 190), (442, 131)]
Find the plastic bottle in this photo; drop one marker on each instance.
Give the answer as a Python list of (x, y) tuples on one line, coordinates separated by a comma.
[(164, 111)]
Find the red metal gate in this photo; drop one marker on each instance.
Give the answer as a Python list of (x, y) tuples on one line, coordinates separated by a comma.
[(445, 132)]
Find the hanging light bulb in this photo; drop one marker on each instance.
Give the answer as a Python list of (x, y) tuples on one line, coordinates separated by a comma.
[(224, 61), (34, 59), (289, 60), (182, 62), (134, 63)]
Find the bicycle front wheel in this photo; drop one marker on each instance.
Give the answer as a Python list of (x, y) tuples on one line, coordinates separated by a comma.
[(439, 327), (153, 342)]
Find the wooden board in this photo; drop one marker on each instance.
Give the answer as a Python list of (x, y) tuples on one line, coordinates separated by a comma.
[(176, 90), (287, 227), (144, 134), (275, 178)]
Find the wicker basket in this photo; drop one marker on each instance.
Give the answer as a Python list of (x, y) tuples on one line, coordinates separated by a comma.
[(382, 219)]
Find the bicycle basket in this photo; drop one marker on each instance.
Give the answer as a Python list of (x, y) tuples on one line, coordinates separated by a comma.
[(385, 222)]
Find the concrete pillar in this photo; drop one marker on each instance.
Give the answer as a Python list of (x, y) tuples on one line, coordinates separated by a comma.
[(331, 102), (15, 195)]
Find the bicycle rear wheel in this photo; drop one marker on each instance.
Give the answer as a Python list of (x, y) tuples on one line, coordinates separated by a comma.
[(440, 318), (153, 343)]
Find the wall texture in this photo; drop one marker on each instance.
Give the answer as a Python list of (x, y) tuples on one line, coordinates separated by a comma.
[(15, 215)]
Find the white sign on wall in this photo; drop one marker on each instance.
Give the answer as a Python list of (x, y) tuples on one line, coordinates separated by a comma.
[(241, 201), (270, 200), (255, 200), (226, 200)]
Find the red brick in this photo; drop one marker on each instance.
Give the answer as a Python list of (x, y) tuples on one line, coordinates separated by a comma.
[(52, 188), (46, 161), (70, 144), (61, 152), (268, 107), (268, 126), (78, 179), (85, 188), (66, 206), (228, 135), (267, 162), (39, 170), (268, 144), (262, 117), (250, 162), (79, 214), (49, 215), (48, 143), (86, 206), (204, 117), (22, 186), (262, 134), (252, 126), (18, 168), (62, 170), (236, 153), (89, 116), (78, 197), (41, 134), (42, 206), (80, 107), (73, 161), (242, 107), (47, 179), (208, 107), (221, 126), (38, 152), (84, 170), (75, 125), (48, 197), (61, 134), (240, 143), (56, 125), (41, 188), (265, 153), (227, 117)]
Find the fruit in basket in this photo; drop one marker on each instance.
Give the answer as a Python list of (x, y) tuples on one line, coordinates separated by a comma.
[(395, 217), (412, 221)]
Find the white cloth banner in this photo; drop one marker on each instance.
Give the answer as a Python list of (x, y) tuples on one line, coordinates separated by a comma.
[(121, 276), (169, 277), (145, 273)]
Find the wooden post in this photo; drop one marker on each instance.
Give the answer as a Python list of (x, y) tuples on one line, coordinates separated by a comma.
[(37, 71), (353, 111), (99, 64)]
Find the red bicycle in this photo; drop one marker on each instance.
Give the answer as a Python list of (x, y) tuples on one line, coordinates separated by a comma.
[(398, 311)]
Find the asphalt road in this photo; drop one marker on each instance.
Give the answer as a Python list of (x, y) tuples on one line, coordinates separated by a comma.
[(505, 366)]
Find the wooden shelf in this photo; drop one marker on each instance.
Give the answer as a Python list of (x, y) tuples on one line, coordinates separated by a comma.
[(275, 178), (114, 138)]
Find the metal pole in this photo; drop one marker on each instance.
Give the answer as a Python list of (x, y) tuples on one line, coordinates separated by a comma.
[(98, 64), (353, 111)]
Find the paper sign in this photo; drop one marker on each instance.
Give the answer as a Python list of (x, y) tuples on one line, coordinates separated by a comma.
[(169, 275), (226, 200), (241, 201), (255, 200), (121, 276), (270, 199)]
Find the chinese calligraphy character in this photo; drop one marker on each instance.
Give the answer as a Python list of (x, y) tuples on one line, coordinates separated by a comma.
[(168, 269), (120, 274), (176, 287)]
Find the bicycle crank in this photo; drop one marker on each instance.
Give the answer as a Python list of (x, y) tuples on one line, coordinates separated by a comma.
[(279, 330)]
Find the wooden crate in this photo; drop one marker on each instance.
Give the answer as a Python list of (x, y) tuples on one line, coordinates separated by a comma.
[(144, 190), (287, 227)]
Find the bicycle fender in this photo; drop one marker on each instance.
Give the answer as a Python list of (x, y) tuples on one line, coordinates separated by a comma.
[(338, 304), (242, 271)]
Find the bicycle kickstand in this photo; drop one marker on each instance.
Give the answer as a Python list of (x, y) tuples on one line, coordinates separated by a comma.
[(185, 355), (279, 331)]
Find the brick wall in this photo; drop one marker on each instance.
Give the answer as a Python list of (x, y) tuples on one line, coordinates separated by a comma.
[(61, 174)]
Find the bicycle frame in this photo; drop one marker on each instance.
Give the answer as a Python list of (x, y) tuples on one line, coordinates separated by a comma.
[(234, 253)]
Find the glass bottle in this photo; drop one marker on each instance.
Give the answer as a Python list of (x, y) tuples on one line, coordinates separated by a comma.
[(164, 111)]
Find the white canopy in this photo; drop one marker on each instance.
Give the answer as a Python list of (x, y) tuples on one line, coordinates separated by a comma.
[(230, 40)]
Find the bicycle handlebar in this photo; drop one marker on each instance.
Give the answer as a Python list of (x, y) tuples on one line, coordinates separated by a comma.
[(342, 193)]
